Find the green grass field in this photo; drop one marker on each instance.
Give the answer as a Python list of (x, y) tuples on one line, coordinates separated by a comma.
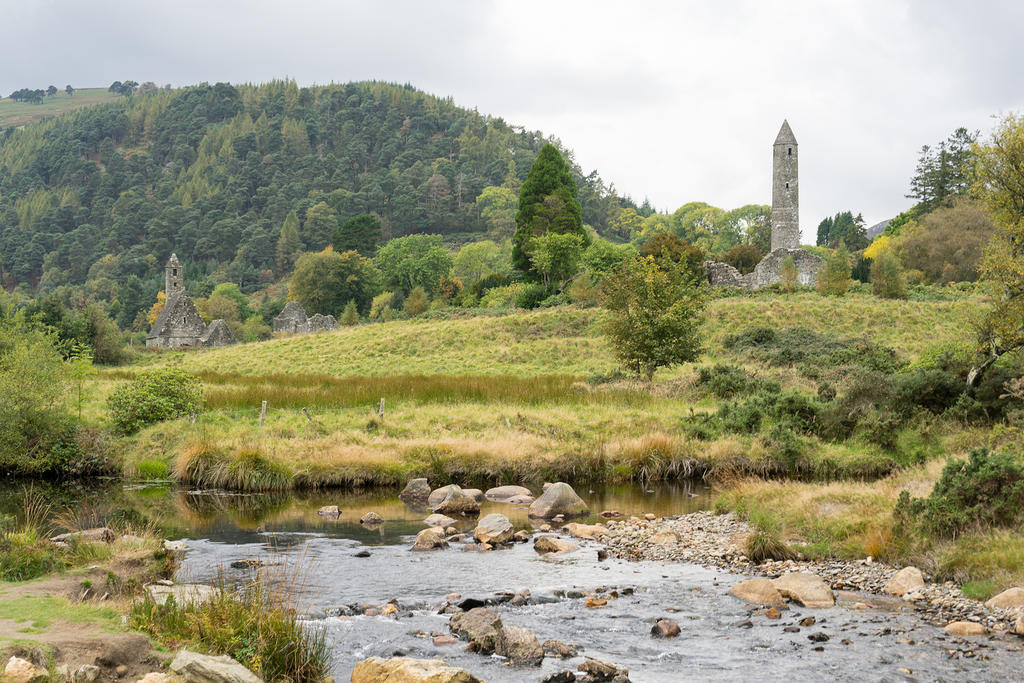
[(566, 340), (14, 114)]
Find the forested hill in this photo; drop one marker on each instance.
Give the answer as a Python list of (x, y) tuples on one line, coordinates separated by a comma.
[(97, 199)]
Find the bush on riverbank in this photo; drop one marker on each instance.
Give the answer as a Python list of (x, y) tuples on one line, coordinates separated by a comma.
[(153, 397), (254, 625)]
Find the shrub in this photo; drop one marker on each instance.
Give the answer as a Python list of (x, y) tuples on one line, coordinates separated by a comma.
[(986, 490), (724, 381), (381, 306), (531, 296), (886, 277), (834, 278), (417, 301), (154, 396), (350, 316)]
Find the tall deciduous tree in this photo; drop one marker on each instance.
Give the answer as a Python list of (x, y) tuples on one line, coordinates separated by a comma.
[(655, 309), (1000, 182), (324, 282), (414, 260), (477, 260), (547, 203)]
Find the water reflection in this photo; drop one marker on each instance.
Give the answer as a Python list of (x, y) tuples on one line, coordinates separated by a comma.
[(229, 517)]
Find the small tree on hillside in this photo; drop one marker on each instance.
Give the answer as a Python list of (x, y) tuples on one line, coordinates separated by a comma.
[(886, 276), (834, 278), (655, 311), (350, 316)]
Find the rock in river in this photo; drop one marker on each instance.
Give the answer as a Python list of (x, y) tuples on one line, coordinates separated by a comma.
[(371, 519), (329, 511), (500, 494), (416, 492), (965, 628), (520, 645), (99, 535), (475, 494), (408, 670), (760, 591), (807, 589), (430, 539), (494, 529), (457, 503), (553, 544), (665, 628), (442, 521), (480, 626), (439, 494), (558, 499), (906, 580)]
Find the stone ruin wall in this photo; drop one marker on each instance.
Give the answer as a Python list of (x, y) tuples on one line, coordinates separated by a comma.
[(293, 320), (767, 272)]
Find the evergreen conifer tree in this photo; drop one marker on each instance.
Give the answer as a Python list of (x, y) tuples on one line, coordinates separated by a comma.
[(289, 244), (350, 316), (547, 203)]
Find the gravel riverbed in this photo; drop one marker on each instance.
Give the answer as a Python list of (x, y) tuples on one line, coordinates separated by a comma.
[(713, 540)]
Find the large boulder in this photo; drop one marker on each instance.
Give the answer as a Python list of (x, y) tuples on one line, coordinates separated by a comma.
[(439, 520), (586, 530), (193, 667), (494, 529), (553, 544), (416, 492), (665, 628), (807, 589), (501, 494), (520, 646), (558, 499), (598, 671), (439, 494), (183, 593), (905, 580), (457, 503), (408, 670), (759, 591), (1011, 598), (480, 626), (430, 539), (332, 511)]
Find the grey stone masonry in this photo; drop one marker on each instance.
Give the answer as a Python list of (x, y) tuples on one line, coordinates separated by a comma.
[(767, 272), (319, 322), (292, 319), (179, 323), (785, 191)]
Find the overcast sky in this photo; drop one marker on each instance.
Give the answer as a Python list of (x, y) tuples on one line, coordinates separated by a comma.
[(675, 101)]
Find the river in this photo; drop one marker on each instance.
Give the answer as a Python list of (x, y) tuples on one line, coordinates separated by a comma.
[(337, 568)]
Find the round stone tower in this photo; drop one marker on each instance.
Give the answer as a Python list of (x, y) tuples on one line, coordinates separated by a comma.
[(173, 277), (785, 191)]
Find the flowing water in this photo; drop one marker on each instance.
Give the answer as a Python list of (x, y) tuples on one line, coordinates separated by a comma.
[(338, 568)]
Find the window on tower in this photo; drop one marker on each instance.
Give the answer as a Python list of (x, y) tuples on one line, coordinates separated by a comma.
[(174, 271), (790, 152), (787, 186)]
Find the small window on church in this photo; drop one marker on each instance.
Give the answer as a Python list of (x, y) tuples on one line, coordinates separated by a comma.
[(787, 186), (184, 321), (790, 152), (174, 271)]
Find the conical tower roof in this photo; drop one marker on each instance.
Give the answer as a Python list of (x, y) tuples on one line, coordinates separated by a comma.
[(785, 136), (173, 260)]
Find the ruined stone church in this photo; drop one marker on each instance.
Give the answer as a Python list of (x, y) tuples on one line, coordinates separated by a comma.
[(785, 227), (179, 323)]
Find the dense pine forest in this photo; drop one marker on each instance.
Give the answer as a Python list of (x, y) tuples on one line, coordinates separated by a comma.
[(93, 202)]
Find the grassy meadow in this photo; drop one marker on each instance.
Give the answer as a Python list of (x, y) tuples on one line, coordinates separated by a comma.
[(529, 396), (14, 114)]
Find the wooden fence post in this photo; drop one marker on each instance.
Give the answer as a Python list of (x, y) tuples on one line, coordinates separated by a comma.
[(380, 410), (263, 413)]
